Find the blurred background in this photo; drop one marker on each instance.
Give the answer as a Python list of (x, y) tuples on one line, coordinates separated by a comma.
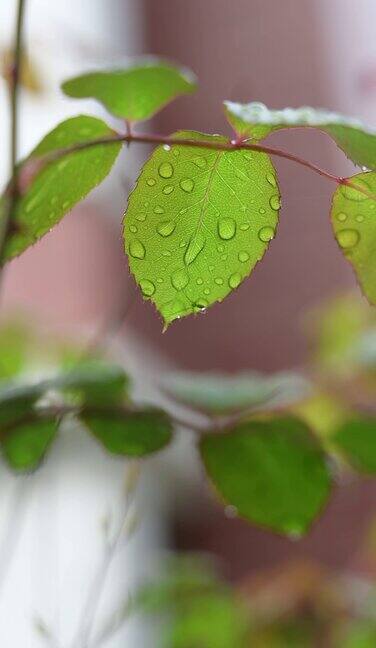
[(76, 280)]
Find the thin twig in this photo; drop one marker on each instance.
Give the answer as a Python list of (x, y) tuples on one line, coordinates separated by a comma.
[(12, 190)]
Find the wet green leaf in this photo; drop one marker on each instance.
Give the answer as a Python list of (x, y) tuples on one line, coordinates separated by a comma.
[(25, 445), (354, 222), (223, 393), (256, 121), (130, 433), (272, 471), (135, 93), (357, 440), (197, 223), (56, 188)]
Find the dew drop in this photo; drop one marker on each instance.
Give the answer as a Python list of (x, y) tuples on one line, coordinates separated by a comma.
[(133, 229), (359, 218), (165, 170), (220, 248), (206, 291), (199, 281), (179, 279), (347, 238), (66, 204), (141, 216), (275, 202), (168, 189), (199, 162), (194, 248), (231, 511), (226, 228), (245, 226), (167, 147), (271, 179), (341, 216), (182, 244), (201, 304), (158, 210), (218, 281), (137, 250), (165, 228), (262, 210), (175, 152), (31, 204), (234, 280), (266, 234), (159, 280), (187, 185), (54, 200), (166, 253), (147, 287), (150, 182), (243, 257)]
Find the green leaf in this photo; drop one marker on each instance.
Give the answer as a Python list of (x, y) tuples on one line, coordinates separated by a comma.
[(16, 401), (95, 382), (256, 121), (25, 445), (197, 222), (135, 93), (14, 343), (62, 183), (354, 223), (222, 394), (130, 433), (357, 440), (272, 471)]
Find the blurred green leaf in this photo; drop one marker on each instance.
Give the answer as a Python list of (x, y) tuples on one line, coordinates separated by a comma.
[(95, 382), (359, 634), (130, 433), (135, 93), (222, 393), (354, 223), (60, 184), (25, 445), (17, 400), (256, 121), (14, 343), (357, 439), (272, 471), (197, 223)]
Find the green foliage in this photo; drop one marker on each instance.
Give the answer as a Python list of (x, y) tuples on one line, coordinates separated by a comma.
[(354, 224), (17, 400), (13, 349), (216, 393), (256, 121), (135, 93), (128, 432), (59, 184), (95, 382), (356, 438), (272, 471), (197, 223), (25, 444)]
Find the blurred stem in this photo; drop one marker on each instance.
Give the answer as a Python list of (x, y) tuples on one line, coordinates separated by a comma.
[(15, 73)]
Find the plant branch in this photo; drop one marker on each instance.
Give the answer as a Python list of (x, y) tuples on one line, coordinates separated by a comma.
[(13, 189)]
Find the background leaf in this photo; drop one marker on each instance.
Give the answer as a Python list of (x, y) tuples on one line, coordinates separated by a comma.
[(255, 120), (223, 393), (354, 222), (62, 183), (25, 445), (197, 222), (136, 93), (272, 471), (357, 439), (95, 381), (131, 433)]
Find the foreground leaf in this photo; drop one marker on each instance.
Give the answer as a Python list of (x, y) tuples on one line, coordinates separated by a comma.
[(135, 93), (197, 222), (357, 439), (25, 445), (256, 121), (130, 433), (62, 183), (354, 222), (221, 393), (273, 472)]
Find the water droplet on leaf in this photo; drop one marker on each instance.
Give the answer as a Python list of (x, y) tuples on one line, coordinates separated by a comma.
[(234, 280), (187, 185), (168, 189), (243, 257), (165, 228), (266, 234), (137, 250), (165, 170), (194, 248), (147, 287), (347, 238), (275, 202), (226, 228), (150, 182), (179, 279)]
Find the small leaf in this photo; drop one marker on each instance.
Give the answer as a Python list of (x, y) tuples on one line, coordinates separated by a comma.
[(25, 445), (220, 393), (197, 223), (95, 382), (14, 349), (273, 472), (354, 223), (62, 183), (357, 439), (256, 121), (130, 433), (135, 93), (16, 401)]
